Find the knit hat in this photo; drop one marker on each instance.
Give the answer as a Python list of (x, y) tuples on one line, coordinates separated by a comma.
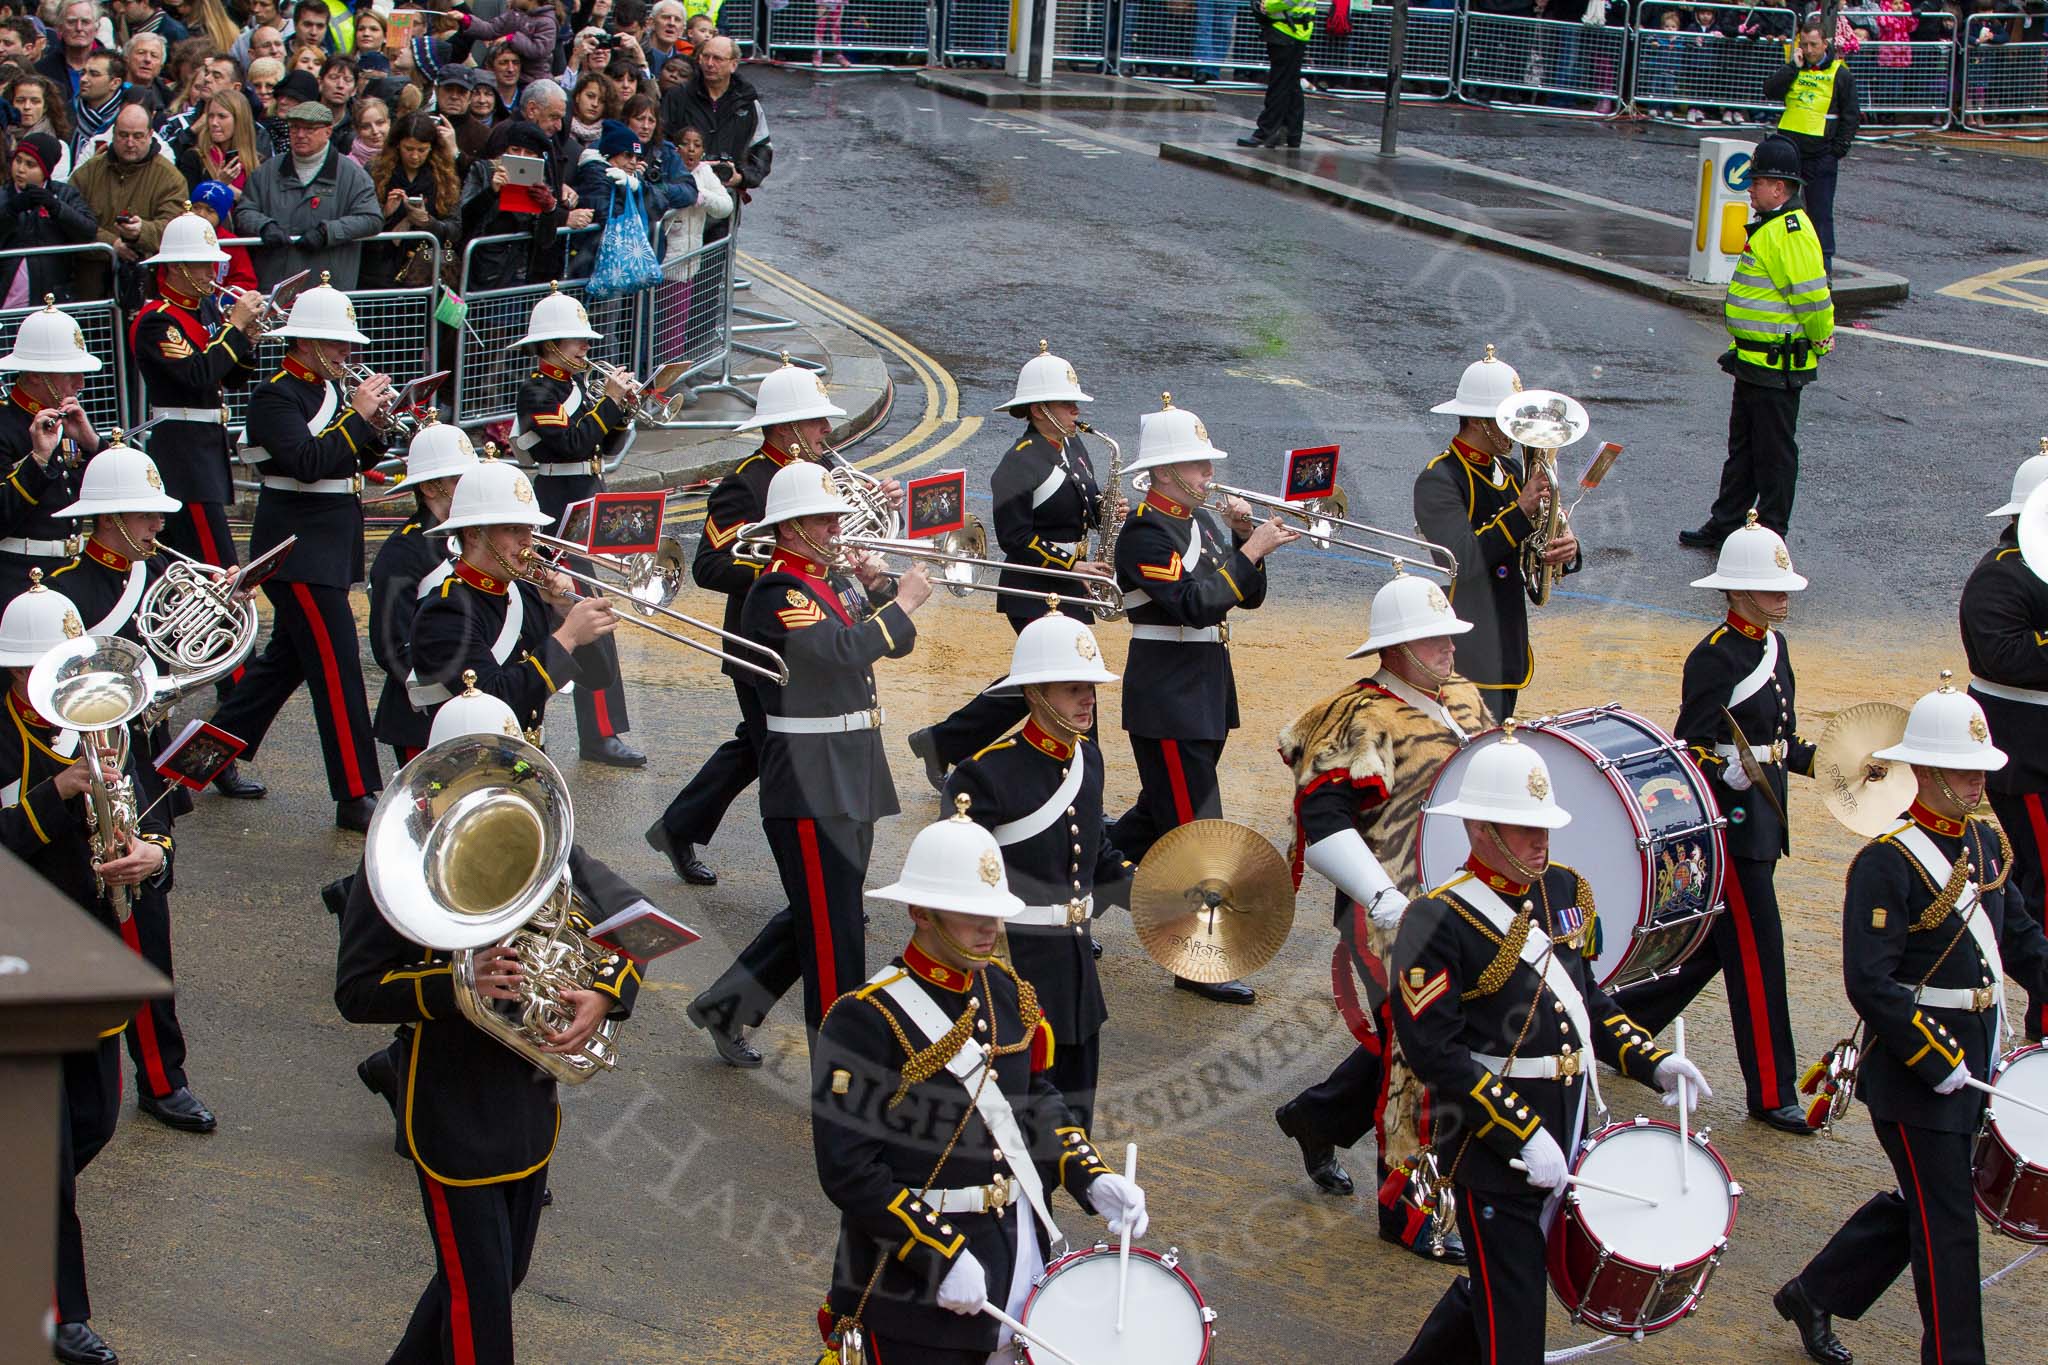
[(215, 196), (429, 57), (43, 148), (297, 85), (616, 139)]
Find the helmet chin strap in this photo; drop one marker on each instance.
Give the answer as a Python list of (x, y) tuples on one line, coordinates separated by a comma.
[(1757, 610), (1498, 442), (825, 555), (1958, 806), (1045, 410), (576, 365), (955, 944), (1514, 864), (1172, 474), (137, 551), (1049, 716), (1435, 679)]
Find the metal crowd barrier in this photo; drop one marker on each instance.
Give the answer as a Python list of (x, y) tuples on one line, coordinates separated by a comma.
[(488, 367), (106, 395), (1906, 84), (1426, 63), (688, 321), (2005, 85), (879, 32), (1712, 74), (1217, 38), (979, 30), (1559, 66), (739, 21)]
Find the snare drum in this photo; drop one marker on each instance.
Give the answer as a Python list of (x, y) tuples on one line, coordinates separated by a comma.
[(1645, 834), (1622, 1266), (2009, 1168), (1073, 1307)]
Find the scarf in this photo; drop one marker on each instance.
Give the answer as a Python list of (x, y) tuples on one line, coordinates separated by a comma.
[(92, 122)]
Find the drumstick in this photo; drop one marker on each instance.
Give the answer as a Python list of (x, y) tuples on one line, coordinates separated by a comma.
[(1593, 1185), (1684, 1169), (1123, 1251), (1029, 1337), (2005, 1095)]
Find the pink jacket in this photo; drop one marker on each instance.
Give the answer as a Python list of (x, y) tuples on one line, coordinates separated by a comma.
[(531, 35)]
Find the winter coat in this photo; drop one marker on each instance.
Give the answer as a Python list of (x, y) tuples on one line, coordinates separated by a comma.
[(152, 190), (340, 197), (47, 215), (686, 228)]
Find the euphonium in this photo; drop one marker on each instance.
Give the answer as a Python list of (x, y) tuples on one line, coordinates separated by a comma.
[(95, 685), (1543, 422), (469, 848)]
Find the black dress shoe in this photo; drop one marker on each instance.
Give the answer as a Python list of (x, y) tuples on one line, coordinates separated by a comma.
[(1318, 1158), (1786, 1118), (335, 894), (547, 1197), (380, 1077), (1424, 1246), (733, 1047), (1222, 992), (1702, 539), (1816, 1329), (682, 857), (614, 752), (927, 749), (180, 1109), (1254, 140), (78, 1344), (355, 813), (236, 785)]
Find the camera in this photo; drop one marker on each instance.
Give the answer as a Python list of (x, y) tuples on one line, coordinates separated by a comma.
[(605, 42)]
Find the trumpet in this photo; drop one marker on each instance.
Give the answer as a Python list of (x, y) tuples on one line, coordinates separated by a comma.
[(1320, 518), (644, 402), (96, 685), (277, 304), (649, 588)]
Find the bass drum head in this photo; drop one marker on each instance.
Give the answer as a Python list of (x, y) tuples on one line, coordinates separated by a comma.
[(1686, 1224), (1600, 841), (2025, 1074), (1074, 1309)]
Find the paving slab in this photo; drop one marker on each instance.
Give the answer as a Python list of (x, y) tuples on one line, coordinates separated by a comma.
[(1633, 248), (1065, 90)]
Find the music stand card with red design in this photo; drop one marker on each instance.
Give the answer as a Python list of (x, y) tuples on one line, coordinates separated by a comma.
[(197, 755), (643, 932), (1311, 473), (627, 523), (576, 522), (253, 574), (935, 504)]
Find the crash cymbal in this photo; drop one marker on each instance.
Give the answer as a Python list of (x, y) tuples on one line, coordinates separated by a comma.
[(1867, 795), (1212, 901)]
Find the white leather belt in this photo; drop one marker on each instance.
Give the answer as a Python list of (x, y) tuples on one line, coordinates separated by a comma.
[(998, 1194), (2031, 696), (213, 416), (1763, 753), (1181, 635), (1958, 998), (1560, 1068), (1063, 915), (826, 725), (568, 469), (281, 483), (36, 549)]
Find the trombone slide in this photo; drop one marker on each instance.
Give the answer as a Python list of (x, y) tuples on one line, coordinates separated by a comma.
[(777, 672), (1320, 519)]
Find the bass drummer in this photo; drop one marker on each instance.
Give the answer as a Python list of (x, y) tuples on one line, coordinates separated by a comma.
[(1743, 670), (1499, 1010), (1930, 928)]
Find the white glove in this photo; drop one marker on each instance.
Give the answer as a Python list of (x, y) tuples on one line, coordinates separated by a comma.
[(1544, 1160), (1346, 860), (1388, 909), (1120, 1203), (1667, 1076), (1734, 776), (1955, 1080), (965, 1288)]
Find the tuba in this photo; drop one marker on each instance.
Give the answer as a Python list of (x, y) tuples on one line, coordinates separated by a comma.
[(1543, 422), (469, 848), (95, 685)]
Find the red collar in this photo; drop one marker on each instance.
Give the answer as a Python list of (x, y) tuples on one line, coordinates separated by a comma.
[(777, 456), (171, 296), (18, 707), (925, 967), (1156, 499), (1494, 879), (297, 369), (21, 399), (100, 554), (552, 370), (1472, 455), (481, 581), (1746, 628), (1045, 743), (1935, 824), (796, 562)]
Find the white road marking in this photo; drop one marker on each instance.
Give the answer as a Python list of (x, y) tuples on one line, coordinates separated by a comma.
[(1055, 137), (1949, 346)]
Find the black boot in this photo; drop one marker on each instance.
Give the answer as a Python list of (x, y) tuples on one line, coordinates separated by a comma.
[(236, 785), (613, 752), (1318, 1158), (682, 857), (733, 1047), (1816, 1329)]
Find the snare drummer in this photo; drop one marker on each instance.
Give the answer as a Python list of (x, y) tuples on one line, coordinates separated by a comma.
[(1929, 927), (1743, 666), (941, 1171), (1499, 1008)]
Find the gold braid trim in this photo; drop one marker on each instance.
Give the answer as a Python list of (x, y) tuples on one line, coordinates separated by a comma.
[(1028, 1012), (1944, 902), (1505, 958), (921, 1064)]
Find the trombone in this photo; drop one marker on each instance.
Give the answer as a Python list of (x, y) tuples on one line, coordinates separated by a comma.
[(1322, 516), (649, 583), (961, 574)]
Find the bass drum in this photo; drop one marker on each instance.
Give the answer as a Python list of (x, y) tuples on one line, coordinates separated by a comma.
[(1645, 833)]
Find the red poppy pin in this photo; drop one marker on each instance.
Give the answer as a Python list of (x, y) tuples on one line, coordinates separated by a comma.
[(316, 201)]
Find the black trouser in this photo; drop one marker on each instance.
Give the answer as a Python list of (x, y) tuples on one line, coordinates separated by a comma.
[(86, 1112), (1176, 784), (1763, 459), (600, 711), (1074, 1068), (1494, 1316), (1281, 116), (889, 1351), (1819, 194), (819, 935), (1929, 1222), (312, 641), (483, 1241), (1747, 950), (694, 815), (156, 1042), (2025, 823), (981, 720)]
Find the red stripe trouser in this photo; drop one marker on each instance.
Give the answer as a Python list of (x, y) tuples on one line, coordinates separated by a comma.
[(483, 1240), (156, 1041), (312, 642), (1492, 1315), (1176, 785)]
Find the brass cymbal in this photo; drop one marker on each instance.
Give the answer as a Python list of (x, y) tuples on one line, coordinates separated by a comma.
[(1867, 795), (1212, 900)]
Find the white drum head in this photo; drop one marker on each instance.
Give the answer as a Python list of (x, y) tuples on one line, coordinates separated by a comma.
[(1075, 1312), (1682, 1227), (1600, 841), (2024, 1130)]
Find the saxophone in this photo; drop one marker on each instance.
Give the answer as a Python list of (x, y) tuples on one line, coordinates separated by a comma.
[(1109, 525)]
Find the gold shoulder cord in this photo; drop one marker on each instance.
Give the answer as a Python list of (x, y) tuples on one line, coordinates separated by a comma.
[(1507, 955), (1521, 922), (1944, 902)]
